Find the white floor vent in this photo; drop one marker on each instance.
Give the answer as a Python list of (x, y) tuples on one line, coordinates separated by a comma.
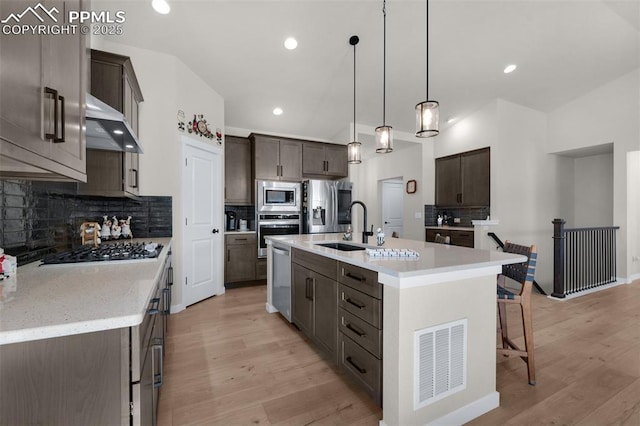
[(440, 362)]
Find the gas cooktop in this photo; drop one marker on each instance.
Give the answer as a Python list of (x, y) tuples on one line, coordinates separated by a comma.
[(106, 252)]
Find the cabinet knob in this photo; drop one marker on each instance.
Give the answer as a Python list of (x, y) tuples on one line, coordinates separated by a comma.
[(215, 231)]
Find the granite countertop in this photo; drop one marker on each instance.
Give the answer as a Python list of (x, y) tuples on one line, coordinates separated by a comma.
[(433, 258), (451, 227), (61, 300)]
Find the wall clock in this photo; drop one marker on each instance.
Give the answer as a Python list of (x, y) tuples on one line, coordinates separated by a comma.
[(411, 186)]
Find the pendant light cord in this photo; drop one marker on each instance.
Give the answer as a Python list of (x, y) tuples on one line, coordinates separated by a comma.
[(354, 91), (384, 62), (426, 69)]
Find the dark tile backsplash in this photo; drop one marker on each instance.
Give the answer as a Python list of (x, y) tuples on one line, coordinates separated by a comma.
[(43, 214), (247, 213), (466, 214)]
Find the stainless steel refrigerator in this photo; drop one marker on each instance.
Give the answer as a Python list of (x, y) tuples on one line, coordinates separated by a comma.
[(325, 206)]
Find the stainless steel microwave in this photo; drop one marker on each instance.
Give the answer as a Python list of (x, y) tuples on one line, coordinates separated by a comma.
[(278, 196)]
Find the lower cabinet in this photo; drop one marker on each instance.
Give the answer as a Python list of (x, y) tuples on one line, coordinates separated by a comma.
[(461, 238), (339, 307), (240, 260), (315, 300)]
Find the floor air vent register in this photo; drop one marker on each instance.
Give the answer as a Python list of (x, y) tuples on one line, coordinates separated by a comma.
[(441, 362)]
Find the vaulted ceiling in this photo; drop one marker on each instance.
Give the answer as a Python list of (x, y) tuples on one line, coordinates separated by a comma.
[(562, 49)]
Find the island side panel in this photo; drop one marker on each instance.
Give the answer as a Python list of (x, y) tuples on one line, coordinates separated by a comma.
[(411, 309)]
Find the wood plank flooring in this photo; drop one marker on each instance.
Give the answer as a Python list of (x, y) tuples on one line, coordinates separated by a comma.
[(228, 362)]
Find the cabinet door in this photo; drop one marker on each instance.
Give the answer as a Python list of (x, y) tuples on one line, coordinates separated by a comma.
[(325, 321), (238, 184), (240, 264), (64, 69), (266, 158), (290, 160), (21, 86), (131, 172), (448, 184), (476, 181), (336, 158), (313, 159), (302, 298)]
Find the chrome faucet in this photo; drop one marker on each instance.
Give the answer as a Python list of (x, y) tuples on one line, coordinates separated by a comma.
[(365, 234)]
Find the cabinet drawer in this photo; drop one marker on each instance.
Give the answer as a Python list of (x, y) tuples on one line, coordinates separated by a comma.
[(361, 305), (261, 269), (361, 332), (462, 238), (240, 239), (361, 279), (322, 265), (363, 367)]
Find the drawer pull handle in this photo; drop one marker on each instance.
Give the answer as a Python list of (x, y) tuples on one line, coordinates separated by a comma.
[(241, 239), (154, 310), (356, 366), (355, 303), (356, 330), (355, 277)]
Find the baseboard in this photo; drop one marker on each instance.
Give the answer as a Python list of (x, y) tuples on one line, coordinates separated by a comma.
[(619, 281), (177, 308), (270, 308), (633, 277), (467, 413)]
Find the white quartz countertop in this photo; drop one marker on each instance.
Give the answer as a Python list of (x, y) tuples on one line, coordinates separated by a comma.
[(239, 232), (451, 228), (61, 300), (434, 258)]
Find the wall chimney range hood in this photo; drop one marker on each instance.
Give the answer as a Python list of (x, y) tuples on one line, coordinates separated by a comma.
[(106, 128)]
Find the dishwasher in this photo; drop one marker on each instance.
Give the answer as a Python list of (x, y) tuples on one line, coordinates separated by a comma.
[(281, 293)]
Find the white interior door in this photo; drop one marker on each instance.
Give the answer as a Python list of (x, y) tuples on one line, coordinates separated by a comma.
[(392, 207), (202, 208)]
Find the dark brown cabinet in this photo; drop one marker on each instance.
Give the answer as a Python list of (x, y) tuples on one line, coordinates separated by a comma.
[(238, 183), (240, 261), (314, 299), (43, 84), (324, 160), (464, 179), (114, 173), (462, 238), (276, 158)]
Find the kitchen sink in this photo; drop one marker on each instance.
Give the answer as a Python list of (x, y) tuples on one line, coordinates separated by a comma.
[(341, 246)]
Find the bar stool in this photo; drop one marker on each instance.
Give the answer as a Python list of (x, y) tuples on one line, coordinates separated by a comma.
[(522, 273)]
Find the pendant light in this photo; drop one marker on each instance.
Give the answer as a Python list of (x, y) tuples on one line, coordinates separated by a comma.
[(427, 112), (353, 148), (384, 133)]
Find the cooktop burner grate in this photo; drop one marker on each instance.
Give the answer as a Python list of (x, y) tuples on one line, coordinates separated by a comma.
[(105, 253)]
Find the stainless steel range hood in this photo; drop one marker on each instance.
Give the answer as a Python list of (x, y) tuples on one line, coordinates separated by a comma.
[(107, 129)]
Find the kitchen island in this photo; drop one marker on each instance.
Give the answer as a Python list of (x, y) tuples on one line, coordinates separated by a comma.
[(82, 343), (444, 292)]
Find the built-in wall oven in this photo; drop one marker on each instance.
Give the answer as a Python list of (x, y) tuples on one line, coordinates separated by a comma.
[(275, 224)]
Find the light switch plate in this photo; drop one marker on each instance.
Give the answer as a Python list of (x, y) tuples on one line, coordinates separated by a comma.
[(418, 215)]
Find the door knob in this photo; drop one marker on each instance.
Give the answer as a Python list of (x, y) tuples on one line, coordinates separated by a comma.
[(215, 231)]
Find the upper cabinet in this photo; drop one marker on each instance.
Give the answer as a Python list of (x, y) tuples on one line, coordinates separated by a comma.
[(277, 158), (238, 183), (114, 82), (324, 160), (464, 179), (42, 107)]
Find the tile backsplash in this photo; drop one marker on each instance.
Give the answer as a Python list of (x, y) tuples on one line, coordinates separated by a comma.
[(42, 214), (466, 214)]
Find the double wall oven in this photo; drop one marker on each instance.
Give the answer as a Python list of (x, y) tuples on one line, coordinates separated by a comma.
[(278, 210)]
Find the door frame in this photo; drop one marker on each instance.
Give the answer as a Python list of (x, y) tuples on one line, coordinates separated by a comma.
[(194, 143), (383, 188)]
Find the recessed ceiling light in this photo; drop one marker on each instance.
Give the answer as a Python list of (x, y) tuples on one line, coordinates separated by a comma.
[(277, 111), (510, 69), (118, 132), (161, 6), (291, 43)]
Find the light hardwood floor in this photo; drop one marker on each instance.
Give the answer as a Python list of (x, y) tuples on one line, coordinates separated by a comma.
[(228, 362)]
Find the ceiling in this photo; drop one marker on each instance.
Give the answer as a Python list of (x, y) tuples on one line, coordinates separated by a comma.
[(563, 49)]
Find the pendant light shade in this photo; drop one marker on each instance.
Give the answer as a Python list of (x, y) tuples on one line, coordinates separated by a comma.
[(353, 148), (428, 111), (384, 133)]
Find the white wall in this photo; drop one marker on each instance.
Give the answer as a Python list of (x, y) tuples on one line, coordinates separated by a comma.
[(593, 191), (608, 114), (405, 164), (167, 85), (633, 213)]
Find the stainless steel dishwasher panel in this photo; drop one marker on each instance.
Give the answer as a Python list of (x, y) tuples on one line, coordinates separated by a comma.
[(281, 294)]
